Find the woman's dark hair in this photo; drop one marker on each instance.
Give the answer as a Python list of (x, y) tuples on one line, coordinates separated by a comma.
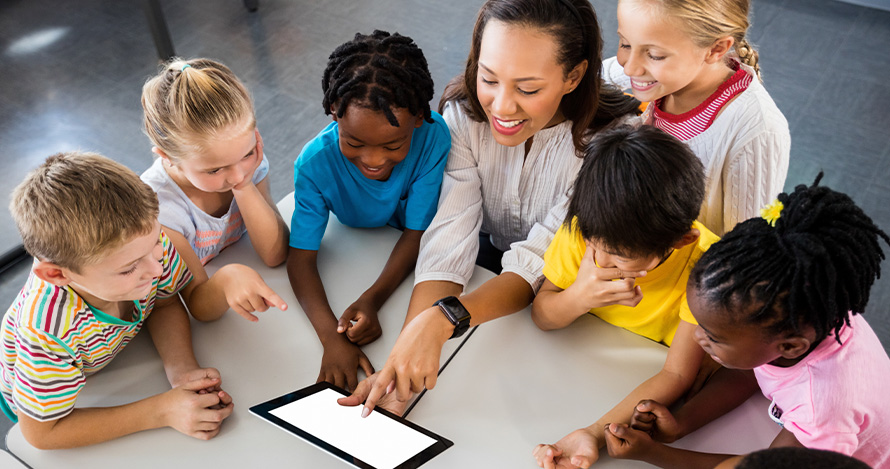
[(592, 105), (638, 191), (813, 268), (380, 72)]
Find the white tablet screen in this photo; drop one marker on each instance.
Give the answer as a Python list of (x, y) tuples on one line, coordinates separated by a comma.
[(377, 440)]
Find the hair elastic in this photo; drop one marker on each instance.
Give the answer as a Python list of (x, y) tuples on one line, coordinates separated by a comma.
[(184, 67)]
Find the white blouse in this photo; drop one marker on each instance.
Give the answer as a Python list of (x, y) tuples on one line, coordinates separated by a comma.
[(745, 153), (521, 200)]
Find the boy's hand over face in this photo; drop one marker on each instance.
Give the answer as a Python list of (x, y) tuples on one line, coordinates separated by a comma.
[(366, 326), (656, 420), (578, 449), (624, 442), (246, 292), (598, 287), (194, 411), (341, 361)]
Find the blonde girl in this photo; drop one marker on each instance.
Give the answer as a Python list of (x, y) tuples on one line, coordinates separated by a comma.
[(692, 61), (210, 174)]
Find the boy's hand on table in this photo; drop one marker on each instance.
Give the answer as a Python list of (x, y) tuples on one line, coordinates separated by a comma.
[(624, 442), (655, 419), (246, 292), (341, 361), (596, 287), (578, 449), (191, 410), (359, 323)]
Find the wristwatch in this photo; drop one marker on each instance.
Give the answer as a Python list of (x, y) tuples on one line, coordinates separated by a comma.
[(456, 313)]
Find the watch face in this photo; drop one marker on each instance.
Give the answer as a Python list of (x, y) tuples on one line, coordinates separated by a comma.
[(456, 314)]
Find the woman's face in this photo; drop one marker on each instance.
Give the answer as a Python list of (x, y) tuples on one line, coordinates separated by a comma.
[(519, 83)]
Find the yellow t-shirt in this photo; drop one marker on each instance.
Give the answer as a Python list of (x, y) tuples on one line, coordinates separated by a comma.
[(658, 314)]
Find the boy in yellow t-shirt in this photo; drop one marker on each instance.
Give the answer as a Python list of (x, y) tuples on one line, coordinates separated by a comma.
[(630, 238)]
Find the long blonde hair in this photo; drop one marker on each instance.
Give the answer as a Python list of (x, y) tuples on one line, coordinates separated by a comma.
[(189, 102), (706, 21)]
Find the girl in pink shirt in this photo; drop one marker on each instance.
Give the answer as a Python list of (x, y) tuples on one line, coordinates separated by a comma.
[(783, 295)]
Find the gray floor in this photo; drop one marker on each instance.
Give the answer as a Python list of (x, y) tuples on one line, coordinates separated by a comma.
[(71, 75)]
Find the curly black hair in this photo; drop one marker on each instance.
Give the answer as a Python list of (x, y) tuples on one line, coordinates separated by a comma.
[(814, 268), (380, 71)]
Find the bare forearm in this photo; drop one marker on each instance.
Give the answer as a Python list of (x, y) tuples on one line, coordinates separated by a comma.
[(724, 391), (664, 387), (89, 426), (555, 310), (674, 458), (302, 271), (170, 331), (399, 265), (425, 294), (501, 296), (268, 232), (207, 301)]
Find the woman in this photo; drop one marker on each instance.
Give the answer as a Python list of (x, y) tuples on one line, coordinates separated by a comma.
[(530, 98)]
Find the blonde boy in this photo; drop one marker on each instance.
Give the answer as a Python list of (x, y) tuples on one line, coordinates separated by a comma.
[(103, 268)]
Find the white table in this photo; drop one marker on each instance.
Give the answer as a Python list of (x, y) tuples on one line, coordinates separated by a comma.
[(258, 361), (513, 386), (510, 387)]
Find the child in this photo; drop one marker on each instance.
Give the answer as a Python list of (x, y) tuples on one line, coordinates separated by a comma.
[(379, 163), (624, 254), (691, 59), (629, 238), (211, 175), (103, 268), (783, 295)]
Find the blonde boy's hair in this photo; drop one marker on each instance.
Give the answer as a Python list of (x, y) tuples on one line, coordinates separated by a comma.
[(77, 206), (705, 21), (189, 102)]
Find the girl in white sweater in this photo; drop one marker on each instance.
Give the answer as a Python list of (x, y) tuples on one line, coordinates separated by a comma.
[(690, 60)]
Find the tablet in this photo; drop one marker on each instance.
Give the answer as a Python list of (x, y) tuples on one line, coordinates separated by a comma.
[(380, 441)]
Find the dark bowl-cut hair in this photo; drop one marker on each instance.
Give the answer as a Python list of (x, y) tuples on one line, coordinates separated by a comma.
[(592, 105), (638, 191)]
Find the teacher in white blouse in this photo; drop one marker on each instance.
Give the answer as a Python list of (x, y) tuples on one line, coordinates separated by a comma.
[(530, 98)]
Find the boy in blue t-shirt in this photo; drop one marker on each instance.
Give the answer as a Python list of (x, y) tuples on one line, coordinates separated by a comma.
[(379, 163)]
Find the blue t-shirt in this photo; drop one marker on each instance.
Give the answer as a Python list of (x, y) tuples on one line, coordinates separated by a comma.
[(325, 181)]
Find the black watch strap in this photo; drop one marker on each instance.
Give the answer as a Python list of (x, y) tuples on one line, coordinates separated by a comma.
[(456, 313)]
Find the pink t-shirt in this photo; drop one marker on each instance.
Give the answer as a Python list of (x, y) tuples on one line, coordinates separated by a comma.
[(836, 397)]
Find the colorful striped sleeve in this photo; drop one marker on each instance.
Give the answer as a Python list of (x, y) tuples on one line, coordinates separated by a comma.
[(47, 378), (176, 274)]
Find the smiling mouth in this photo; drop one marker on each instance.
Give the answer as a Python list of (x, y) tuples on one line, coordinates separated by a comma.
[(509, 124), (642, 85)]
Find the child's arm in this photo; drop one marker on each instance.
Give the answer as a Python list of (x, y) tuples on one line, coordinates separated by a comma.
[(364, 310), (233, 286), (594, 287), (184, 408), (675, 378), (624, 442), (725, 390), (267, 230), (342, 358), (195, 406)]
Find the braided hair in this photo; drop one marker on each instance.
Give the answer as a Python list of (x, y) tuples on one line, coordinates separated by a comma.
[(814, 268), (381, 71)]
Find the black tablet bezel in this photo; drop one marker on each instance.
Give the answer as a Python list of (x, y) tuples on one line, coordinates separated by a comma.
[(263, 411)]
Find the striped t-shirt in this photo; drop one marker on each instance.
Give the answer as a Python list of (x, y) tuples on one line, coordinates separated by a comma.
[(689, 124), (52, 340)]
